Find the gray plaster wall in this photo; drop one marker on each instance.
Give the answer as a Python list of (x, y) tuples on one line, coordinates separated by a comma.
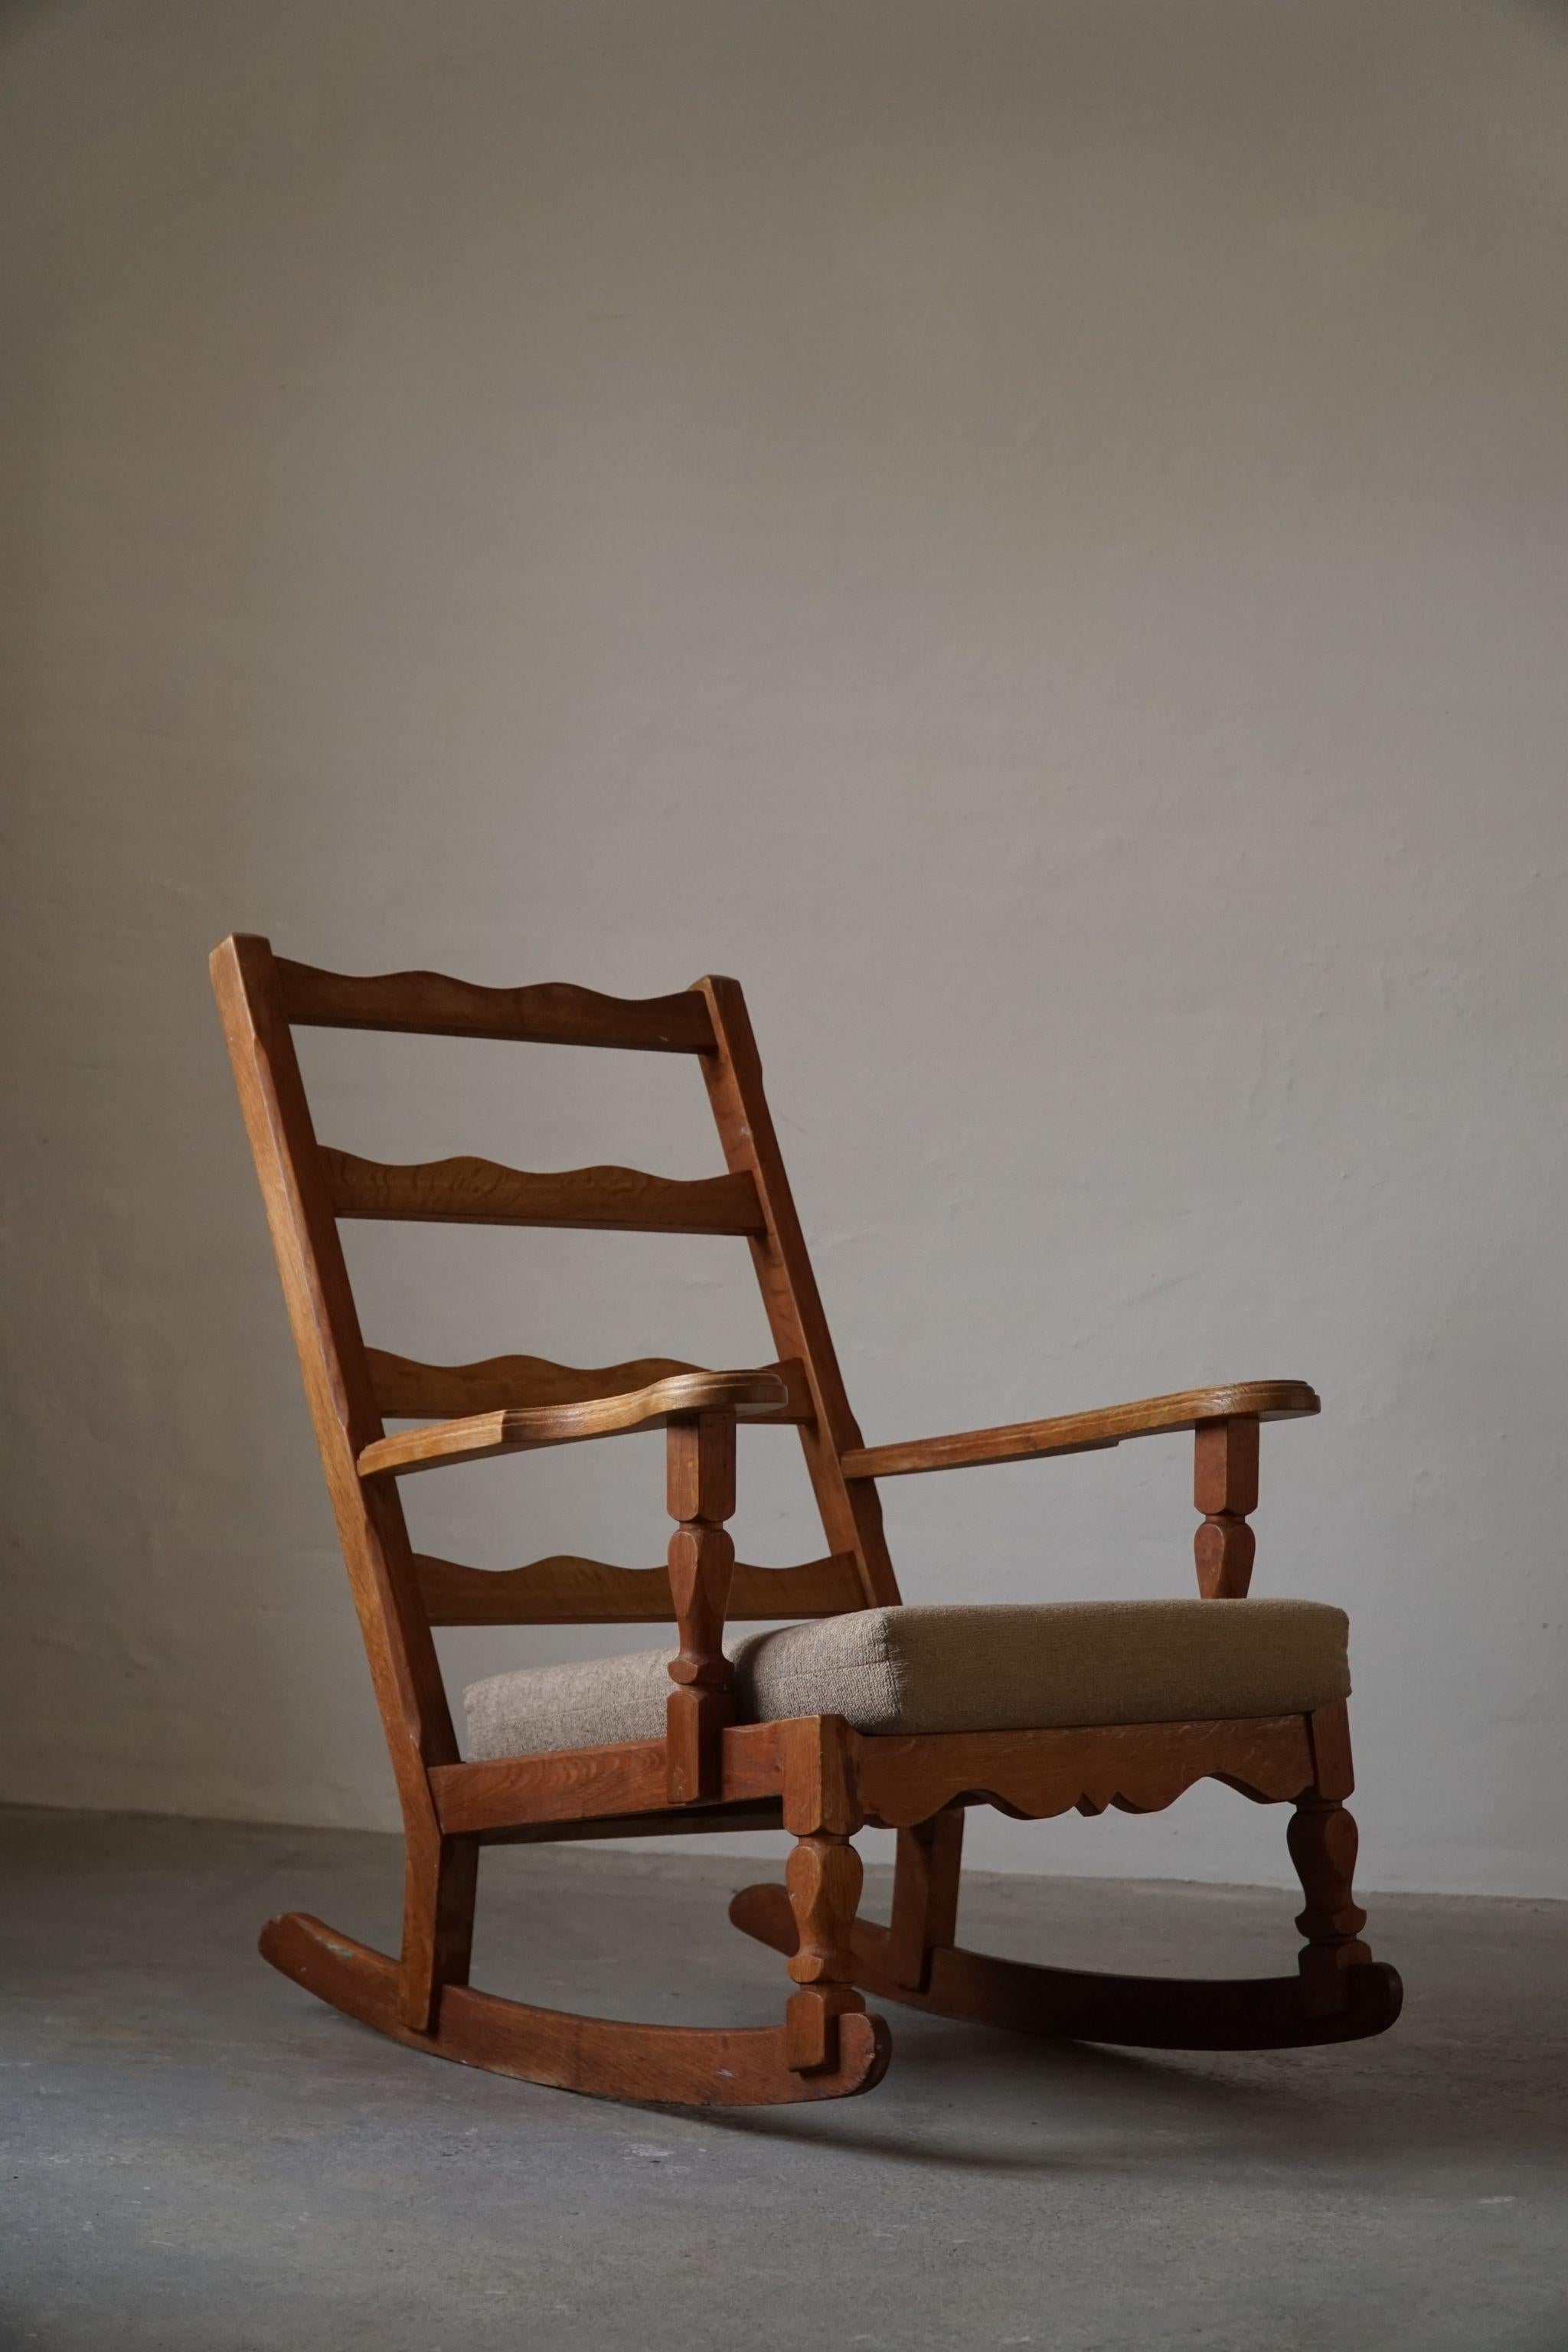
[(1033, 534)]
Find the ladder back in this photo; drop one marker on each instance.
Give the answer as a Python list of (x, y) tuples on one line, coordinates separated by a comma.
[(355, 1389)]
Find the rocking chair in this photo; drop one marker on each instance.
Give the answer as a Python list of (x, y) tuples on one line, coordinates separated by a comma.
[(858, 1712)]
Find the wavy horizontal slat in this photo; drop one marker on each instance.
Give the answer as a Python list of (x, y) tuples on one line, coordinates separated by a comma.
[(552, 1013), (468, 1192), (567, 1590), (406, 1390)]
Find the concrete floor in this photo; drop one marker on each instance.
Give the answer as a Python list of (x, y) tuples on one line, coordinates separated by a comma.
[(200, 2158)]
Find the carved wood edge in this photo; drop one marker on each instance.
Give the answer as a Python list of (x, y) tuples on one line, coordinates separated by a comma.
[(467, 1190), (1035, 1775), (565, 1589), (833, 1779), (407, 1389), (433, 1003)]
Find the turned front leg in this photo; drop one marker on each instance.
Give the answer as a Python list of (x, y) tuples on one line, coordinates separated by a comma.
[(1225, 1488), (824, 1878), (701, 1487)]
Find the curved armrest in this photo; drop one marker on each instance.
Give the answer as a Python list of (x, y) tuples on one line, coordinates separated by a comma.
[(1084, 1433), (518, 1428)]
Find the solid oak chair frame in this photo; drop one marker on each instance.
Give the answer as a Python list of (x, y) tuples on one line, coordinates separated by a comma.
[(815, 1777)]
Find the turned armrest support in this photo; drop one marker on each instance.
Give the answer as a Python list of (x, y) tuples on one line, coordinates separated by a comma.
[(1224, 1474), (520, 1429), (1224, 1489), (701, 1495)]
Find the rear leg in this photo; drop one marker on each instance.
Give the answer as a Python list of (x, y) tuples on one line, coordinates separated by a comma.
[(439, 1882), (926, 1870)]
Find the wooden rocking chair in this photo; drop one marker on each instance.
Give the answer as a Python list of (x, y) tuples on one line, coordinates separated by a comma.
[(864, 1713)]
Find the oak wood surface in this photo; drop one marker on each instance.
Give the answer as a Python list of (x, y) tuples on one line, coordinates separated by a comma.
[(700, 1492), (737, 1813), (1225, 1488), (550, 1012), (1323, 1840), (815, 1777), (406, 1390), (926, 1871), (466, 1190), (822, 1808), (1333, 1774), (405, 1670), (567, 1590), (1083, 1432), (606, 2058), (851, 1515), (577, 1783), (1142, 2012), (518, 1429), (1139, 1768)]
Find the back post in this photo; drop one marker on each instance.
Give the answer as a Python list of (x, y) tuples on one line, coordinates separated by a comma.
[(404, 1666), (850, 1510)]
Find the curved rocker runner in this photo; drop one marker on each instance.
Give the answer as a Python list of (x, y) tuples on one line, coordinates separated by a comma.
[(862, 1712)]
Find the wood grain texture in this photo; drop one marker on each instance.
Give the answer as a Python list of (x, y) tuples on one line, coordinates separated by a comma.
[(465, 1191), (1333, 1773), (815, 1753), (1136, 1768), (405, 1670), (604, 2057), (851, 1513), (406, 1390), (440, 1881), (580, 1783), (1070, 2004), (824, 1875), (815, 1777), (567, 1590), (1083, 1432), (753, 1814), (1225, 1488), (1323, 1842), (926, 1872), (701, 1487), (520, 1429), (552, 1013)]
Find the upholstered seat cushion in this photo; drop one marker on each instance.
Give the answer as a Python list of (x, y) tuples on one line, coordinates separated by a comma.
[(961, 1669)]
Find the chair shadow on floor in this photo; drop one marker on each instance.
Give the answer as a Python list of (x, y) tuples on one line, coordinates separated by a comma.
[(1043, 2106)]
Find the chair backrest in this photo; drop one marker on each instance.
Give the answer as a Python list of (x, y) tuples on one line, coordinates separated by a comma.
[(353, 1389)]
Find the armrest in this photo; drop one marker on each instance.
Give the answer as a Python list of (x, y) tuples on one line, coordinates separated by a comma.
[(520, 1428), (1084, 1433)]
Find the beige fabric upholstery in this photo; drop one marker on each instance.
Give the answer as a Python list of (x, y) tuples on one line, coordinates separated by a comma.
[(963, 1669)]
